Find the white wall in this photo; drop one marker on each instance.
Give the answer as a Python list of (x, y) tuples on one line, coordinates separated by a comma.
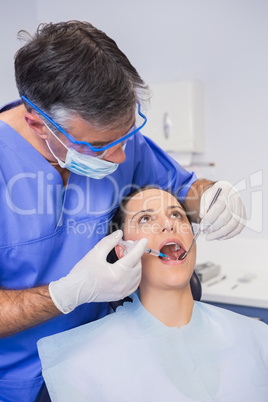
[(222, 42), (14, 16)]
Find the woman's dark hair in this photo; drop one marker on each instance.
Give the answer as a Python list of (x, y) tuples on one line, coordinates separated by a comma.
[(74, 66)]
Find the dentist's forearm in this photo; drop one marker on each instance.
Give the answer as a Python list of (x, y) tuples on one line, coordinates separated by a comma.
[(192, 200), (23, 309)]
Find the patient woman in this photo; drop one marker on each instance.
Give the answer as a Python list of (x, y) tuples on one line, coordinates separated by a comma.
[(160, 346)]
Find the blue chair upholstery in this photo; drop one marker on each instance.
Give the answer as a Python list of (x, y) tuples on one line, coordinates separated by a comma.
[(196, 287), (43, 394)]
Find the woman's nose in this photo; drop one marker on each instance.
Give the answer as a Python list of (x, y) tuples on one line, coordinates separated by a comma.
[(115, 154), (167, 225)]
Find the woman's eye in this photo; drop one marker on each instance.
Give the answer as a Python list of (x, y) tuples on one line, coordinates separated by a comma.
[(144, 219), (176, 215)]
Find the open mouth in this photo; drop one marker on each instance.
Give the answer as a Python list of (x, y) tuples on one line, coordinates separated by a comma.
[(173, 250)]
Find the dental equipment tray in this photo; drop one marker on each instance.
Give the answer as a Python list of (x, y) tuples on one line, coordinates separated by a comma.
[(207, 270)]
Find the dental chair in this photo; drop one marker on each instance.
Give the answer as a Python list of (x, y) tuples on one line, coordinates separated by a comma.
[(196, 289)]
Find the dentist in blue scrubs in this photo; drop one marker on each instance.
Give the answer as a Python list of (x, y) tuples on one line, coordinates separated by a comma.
[(70, 150)]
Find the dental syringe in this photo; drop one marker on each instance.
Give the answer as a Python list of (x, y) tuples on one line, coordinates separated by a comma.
[(156, 253), (129, 244)]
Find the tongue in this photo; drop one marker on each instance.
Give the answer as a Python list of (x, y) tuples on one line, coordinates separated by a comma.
[(171, 251)]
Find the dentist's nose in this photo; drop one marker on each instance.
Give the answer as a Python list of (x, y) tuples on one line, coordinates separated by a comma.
[(115, 154)]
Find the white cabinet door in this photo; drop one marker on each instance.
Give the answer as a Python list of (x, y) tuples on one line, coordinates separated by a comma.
[(176, 116)]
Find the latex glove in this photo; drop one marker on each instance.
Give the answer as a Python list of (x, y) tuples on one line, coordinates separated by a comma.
[(227, 217), (93, 279)]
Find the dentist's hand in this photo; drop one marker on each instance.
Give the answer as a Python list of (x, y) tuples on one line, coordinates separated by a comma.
[(227, 217), (93, 279)]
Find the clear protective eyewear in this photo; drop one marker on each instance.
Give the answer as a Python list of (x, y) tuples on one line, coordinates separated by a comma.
[(94, 150)]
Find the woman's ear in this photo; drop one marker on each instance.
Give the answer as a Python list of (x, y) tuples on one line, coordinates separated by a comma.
[(36, 124), (119, 250)]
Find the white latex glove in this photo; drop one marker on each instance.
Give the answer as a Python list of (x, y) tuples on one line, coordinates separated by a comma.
[(227, 217), (93, 279)]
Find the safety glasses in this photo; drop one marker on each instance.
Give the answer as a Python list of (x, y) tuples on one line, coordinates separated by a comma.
[(94, 150)]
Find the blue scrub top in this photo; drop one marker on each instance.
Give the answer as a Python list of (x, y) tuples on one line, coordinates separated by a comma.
[(46, 229)]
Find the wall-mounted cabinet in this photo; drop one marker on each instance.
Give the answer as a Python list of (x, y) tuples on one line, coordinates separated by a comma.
[(176, 116)]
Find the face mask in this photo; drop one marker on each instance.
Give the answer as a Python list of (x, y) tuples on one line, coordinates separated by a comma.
[(85, 165)]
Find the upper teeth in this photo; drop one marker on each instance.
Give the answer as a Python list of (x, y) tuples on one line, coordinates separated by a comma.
[(177, 246)]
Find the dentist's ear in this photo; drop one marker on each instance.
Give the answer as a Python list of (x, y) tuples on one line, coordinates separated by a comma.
[(36, 124), (119, 250)]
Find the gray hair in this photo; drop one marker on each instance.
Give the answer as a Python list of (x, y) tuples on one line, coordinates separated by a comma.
[(73, 69)]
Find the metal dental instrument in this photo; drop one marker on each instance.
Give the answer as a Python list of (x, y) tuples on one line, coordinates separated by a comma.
[(183, 255), (129, 244), (217, 281)]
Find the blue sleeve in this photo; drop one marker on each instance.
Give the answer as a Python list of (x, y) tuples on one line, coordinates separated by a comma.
[(155, 167)]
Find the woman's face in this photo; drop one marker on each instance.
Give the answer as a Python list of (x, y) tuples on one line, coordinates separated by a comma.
[(156, 215)]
